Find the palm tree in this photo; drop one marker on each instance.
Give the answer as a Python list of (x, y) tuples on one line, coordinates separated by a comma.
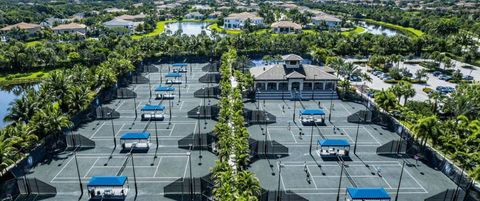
[(248, 185), (8, 153), (22, 109), (50, 122), (427, 127), (386, 100)]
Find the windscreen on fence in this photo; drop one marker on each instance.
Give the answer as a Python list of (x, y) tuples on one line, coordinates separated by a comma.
[(210, 78), (79, 141), (201, 141), (106, 113), (211, 67), (208, 92), (258, 117), (393, 147), (125, 93), (139, 79), (204, 112)]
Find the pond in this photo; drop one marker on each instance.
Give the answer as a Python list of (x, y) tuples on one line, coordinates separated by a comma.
[(378, 29), (9, 94), (189, 28)]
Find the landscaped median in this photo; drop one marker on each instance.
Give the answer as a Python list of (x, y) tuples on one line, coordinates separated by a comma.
[(409, 31), (232, 179)]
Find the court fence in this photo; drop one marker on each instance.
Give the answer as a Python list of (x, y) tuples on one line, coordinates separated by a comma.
[(431, 157), (213, 77)]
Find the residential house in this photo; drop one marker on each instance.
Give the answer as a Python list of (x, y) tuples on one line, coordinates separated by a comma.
[(195, 15), (134, 18), (28, 28), (70, 28), (293, 79), (115, 10), (215, 15), (328, 21), (286, 27), (119, 23), (237, 20), (52, 21)]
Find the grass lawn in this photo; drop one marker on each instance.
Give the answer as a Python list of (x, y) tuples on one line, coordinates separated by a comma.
[(20, 78), (406, 30), (161, 27), (357, 30), (33, 43), (218, 29)]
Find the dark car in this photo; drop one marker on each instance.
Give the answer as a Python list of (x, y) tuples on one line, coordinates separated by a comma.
[(468, 78), (437, 73)]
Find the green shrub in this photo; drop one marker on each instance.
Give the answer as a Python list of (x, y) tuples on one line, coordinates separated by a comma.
[(427, 90)]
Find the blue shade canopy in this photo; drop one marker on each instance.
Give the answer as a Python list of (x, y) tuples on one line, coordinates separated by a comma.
[(173, 75), (107, 181), (312, 112), (135, 136), (153, 108), (162, 88), (368, 193), (179, 64), (334, 143)]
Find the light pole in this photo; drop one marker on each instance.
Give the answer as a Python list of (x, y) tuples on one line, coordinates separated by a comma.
[(266, 136), (179, 94), (356, 136), (330, 110), (340, 182), (78, 173), (311, 135), (113, 131), (204, 109), (135, 106), (169, 112), (313, 86), (400, 181), (134, 175), (156, 134), (455, 194), (279, 178), (200, 143), (191, 177), (149, 87)]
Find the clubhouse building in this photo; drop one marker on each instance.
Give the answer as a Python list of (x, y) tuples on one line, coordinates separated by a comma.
[(293, 79)]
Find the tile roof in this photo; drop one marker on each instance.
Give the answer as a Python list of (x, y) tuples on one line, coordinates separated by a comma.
[(118, 22), (286, 24), (244, 15), (131, 17), (21, 25), (326, 17), (292, 57), (279, 72), (69, 26)]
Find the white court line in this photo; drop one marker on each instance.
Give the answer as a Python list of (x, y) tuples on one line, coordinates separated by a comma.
[(171, 130), (293, 136), (119, 105), (308, 169), (350, 113), (62, 169), (186, 165), (416, 181), (181, 105), (118, 131), (382, 176), (371, 135), (96, 131), (158, 165), (91, 167)]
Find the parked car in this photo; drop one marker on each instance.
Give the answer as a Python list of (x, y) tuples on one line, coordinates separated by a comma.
[(445, 89), (450, 89), (445, 77), (376, 73), (437, 73), (387, 77), (468, 78), (354, 78)]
